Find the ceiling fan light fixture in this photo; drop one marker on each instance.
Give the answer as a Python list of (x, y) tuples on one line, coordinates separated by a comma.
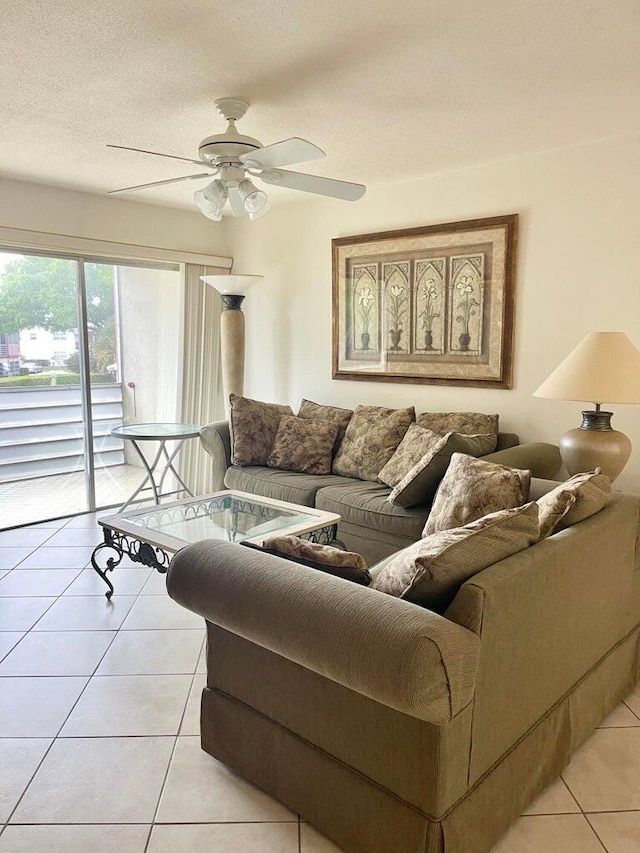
[(211, 199), (254, 200)]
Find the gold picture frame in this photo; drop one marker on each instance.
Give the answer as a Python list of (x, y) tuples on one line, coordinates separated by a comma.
[(432, 305)]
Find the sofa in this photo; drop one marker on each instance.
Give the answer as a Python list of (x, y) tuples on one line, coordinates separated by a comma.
[(395, 729), (370, 524)]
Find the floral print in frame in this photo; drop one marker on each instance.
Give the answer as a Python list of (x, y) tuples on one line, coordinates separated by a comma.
[(432, 304)]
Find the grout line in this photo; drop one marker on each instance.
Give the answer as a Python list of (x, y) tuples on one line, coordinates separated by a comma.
[(593, 829)]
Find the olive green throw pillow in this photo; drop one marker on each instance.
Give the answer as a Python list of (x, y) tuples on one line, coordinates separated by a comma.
[(370, 440), (472, 488), (431, 571), (421, 460), (254, 425), (303, 445)]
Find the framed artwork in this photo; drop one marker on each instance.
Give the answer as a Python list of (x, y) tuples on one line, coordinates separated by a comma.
[(432, 305)]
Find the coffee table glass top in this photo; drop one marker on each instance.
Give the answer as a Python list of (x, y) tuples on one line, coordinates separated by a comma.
[(230, 516)]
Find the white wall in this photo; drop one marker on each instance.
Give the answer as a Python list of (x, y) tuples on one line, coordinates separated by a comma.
[(578, 271), (53, 210)]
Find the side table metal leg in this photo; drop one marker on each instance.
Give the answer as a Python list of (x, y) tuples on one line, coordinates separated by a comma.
[(169, 467), (149, 476), (112, 562)]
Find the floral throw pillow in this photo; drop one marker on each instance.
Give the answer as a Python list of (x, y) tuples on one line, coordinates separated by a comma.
[(431, 571), (574, 500), (317, 412), (472, 488), (468, 423), (303, 445), (326, 558), (419, 484), (253, 429), (370, 441)]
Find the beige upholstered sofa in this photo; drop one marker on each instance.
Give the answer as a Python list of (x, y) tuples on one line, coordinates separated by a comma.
[(393, 729), (370, 524)]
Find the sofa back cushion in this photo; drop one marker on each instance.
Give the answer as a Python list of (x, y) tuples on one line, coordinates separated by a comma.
[(421, 460), (254, 425), (468, 423), (303, 445), (370, 440), (472, 488), (318, 412), (431, 571)]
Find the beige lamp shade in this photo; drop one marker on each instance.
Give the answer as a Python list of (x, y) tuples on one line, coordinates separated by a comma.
[(604, 367)]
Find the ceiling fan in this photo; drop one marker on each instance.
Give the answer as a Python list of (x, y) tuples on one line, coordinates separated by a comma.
[(231, 158)]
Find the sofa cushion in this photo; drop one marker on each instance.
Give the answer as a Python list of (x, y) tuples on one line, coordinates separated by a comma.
[(318, 412), (421, 480), (431, 571), (254, 425), (326, 558), (370, 440), (593, 493), (468, 423), (365, 505), (303, 445), (472, 488), (281, 485)]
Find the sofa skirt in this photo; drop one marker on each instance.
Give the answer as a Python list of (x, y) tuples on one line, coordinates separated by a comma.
[(361, 816)]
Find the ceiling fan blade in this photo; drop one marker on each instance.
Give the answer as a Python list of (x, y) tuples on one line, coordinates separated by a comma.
[(160, 183), (237, 205), (158, 154), (285, 153), (314, 184)]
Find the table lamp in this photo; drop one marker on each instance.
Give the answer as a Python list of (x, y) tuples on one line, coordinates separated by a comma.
[(605, 366)]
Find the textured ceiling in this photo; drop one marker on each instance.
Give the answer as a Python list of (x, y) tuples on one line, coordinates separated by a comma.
[(388, 90)]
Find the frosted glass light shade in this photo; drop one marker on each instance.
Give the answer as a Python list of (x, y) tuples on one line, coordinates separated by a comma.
[(604, 367), (231, 285)]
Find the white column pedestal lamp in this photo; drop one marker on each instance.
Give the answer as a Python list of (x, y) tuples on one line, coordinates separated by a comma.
[(604, 366), (232, 289)]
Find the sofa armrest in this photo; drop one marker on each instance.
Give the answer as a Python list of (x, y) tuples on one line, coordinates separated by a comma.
[(543, 460), (394, 652), (216, 440)]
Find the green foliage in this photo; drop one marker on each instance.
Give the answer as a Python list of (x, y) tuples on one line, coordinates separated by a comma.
[(40, 380), (41, 292)]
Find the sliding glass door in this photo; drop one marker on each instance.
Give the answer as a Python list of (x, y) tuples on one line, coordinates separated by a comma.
[(85, 345)]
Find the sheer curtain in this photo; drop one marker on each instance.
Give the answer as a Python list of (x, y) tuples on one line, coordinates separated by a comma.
[(202, 400)]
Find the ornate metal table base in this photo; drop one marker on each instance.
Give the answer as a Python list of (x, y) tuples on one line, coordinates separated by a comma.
[(123, 545)]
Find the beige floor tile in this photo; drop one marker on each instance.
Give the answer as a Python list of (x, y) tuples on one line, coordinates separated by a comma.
[(24, 537), (9, 639), (97, 780), (618, 831), (191, 722), (230, 838), (311, 841), (19, 758), (200, 789), (156, 585), (633, 701), (74, 839), (548, 834), (34, 582), (555, 800), (125, 582), (604, 775), (151, 612), (11, 557), (620, 717), (36, 707), (20, 614), (58, 558), (76, 536), (57, 653), (85, 613), (114, 705), (149, 652), (202, 660)]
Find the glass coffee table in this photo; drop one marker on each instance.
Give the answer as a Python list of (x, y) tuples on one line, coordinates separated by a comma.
[(152, 536)]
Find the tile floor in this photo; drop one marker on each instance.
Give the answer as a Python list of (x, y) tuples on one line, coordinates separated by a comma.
[(99, 747)]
